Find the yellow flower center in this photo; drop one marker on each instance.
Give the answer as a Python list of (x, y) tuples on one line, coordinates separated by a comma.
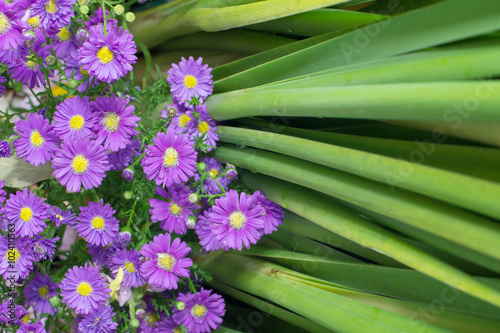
[(151, 319), (36, 139), (13, 255), (59, 217), (84, 289), (98, 223), (190, 81), (213, 173), (105, 55), (26, 214), (64, 35), (4, 23), (203, 127), (76, 122), (111, 122), (237, 220), (34, 21), (166, 261), (199, 310), (184, 119), (175, 209), (130, 267), (51, 7), (177, 329), (31, 64), (26, 318), (171, 157), (43, 292), (79, 164)]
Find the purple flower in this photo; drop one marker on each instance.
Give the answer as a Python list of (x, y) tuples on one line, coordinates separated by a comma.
[(27, 212), (11, 26), (237, 220), (208, 241), (15, 252), (73, 71), (170, 160), (32, 328), (129, 261), (58, 217), (97, 224), (83, 289), (168, 326), (274, 214), (204, 128), (98, 320), (3, 79), (148, 318), (98, 18), (214, 168), (117, 122), (54, 14), (166, 261), (100, 255), (202, 312), (182, 115), (42, 248), (38, 291), (36, 142), (174, 212), (128, 174), (3, 194), (26, 70), (108, 57), (121, 159), (65, 43), (19, 313), (74, 119), (190, 79), (80, 162)]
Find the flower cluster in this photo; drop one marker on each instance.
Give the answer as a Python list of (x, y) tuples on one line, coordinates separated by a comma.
[(109, 241)]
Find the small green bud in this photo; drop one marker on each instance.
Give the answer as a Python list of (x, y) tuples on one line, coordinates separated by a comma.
[(128, 195), (193, 198), (201, 166), (130, 17), (50, 60), (44, 99), (55, 301), (73, 84), (84, 9), (211, 202), (191, 222), (118, 9), (180, 305), (134, 323)]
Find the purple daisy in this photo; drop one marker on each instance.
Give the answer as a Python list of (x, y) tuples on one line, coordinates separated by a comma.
[(27, 212), (208, 241), (37, 327), (117, 122), (3, 79), (237, 220), (190, 79), (38, 291), (168, 326), (73, 71), (100, 255), (53, 14), (98, 18), (5, 149), (74, 119), (204, 128), (203, 311), (108, 57), (11, 26), (98, 320), (15, 258), (19, 313), (174, 212), (274, 213), (182, 118), (214, 171), (80, 162), (166, 261), (97, 224), (58, 217), (129, 261), (42, 248), (148, 317), (170, 160), (83, 289), (36, 142), (121, 159), (65, 43), (26, 70)]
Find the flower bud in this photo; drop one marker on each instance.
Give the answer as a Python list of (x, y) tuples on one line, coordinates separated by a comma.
[(191, 222), (193, 198), (118, 9), (50, 60), (134, 323), (108, 89), (5, 149), (231, 174), (180, 305), (172, 111), (128, 174), (130, 17), (84, 9), (55, 301), (73, 84), (82, 35), (128, 195), (201, 166), (44, 99)]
